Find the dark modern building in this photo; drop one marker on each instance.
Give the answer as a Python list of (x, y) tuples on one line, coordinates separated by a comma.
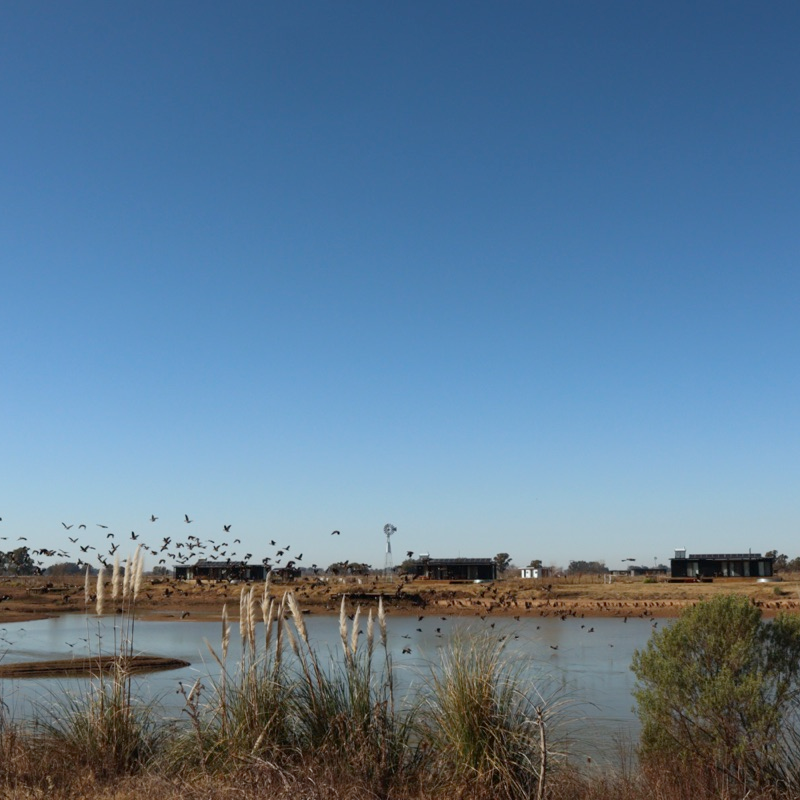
[(455, 569), (221, 571), (720, 565)]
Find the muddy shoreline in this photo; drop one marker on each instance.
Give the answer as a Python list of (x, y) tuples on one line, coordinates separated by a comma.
[(160, 598)]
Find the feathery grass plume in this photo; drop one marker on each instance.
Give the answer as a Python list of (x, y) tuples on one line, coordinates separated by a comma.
[(267, 584), (126, 581), (87, 588), (292, 641), (101, 590), (370, 633), (226, 631), (115, 579), (382, 621), (354, 631), (137, 576), (297, 616)]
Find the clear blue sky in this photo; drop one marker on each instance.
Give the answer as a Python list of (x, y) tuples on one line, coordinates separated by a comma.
[(515, 277)]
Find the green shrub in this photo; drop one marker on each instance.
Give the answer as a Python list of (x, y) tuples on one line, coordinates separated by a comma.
[(719, 688)]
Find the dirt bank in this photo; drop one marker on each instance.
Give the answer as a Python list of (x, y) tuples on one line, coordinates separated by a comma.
[(32, 598)]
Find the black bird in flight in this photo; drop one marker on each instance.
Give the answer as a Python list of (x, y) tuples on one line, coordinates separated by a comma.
[(409, 553), (134, 535), (74, 541), (153, 518), (226, 528), (67, 526), (81, 527), (336, 533), (101, 526), (186, 518)]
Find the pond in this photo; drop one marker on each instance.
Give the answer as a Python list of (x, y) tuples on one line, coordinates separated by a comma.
[(581, 664)]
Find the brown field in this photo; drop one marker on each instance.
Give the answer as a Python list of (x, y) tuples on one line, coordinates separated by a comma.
[(31, 598)]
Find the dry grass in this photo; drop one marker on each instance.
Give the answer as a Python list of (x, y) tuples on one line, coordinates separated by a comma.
[(287, 721)]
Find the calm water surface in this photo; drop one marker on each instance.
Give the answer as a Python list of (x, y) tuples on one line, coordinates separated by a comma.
[(581, 663)]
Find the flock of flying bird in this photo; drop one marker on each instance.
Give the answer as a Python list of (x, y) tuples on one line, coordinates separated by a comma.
[(191, 549)]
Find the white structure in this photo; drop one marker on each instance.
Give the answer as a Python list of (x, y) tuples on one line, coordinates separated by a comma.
[(530, 572)]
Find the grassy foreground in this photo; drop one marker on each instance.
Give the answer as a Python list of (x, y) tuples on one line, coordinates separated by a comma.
[(286, 721)]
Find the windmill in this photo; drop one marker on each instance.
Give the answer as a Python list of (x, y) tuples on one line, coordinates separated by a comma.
[(388, 567)]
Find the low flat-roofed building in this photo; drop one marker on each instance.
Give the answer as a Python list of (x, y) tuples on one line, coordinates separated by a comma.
[(721, 565), (221, 571), (455, 569)]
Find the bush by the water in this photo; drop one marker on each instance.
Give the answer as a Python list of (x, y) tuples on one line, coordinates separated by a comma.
[(718, 691)]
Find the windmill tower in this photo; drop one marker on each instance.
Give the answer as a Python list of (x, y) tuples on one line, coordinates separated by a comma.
[(388, 566)]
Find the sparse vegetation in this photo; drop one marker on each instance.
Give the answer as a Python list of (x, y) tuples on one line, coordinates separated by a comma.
[(286, 720)]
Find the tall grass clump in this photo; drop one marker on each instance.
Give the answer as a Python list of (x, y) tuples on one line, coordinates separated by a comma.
[(345, 710), (106, 729), (246, 715), (484, 734)]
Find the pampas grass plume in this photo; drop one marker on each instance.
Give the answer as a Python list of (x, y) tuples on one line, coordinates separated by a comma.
[(115, 579), (100, 590), (126, 581), (226, 632), (354, 631), (137, 577)]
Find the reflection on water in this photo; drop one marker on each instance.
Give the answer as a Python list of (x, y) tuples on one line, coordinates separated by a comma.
[(584, 662)]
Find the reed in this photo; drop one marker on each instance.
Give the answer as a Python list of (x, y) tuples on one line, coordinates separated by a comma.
[(102, 730), (245, 716), (345, 710), (482, 729)]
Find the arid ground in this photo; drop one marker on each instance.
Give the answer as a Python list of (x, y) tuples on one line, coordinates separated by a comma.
[(31, 598)]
